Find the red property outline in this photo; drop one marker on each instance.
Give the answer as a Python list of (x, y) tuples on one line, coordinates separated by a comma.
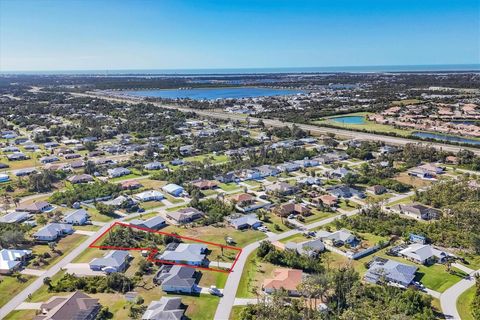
[(153, 252)]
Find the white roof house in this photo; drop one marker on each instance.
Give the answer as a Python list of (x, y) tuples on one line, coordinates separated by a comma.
[(150, 195), (173, 189), (186, 253), (10, 260), (423, 253)]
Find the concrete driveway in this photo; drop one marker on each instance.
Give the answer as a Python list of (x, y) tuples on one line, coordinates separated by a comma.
[(82, 269)]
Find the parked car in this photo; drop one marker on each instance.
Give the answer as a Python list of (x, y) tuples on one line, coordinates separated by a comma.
[(213, 290)]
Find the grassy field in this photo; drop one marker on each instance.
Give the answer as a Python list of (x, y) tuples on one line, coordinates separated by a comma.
[(434, 277), (210, 278), (218, 234), (464, 304), (21, 315), (254, 273), (10, 286), (229, 186), (236, 312), (96, 216), (215, 159), (318, 215), (65, 245), (413, 181)]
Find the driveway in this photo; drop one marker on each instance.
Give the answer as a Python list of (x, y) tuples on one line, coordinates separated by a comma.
[(82, 269), (32, 272)]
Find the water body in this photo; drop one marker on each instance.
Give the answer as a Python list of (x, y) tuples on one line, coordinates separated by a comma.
[(213, 93), (444, 137), (349, 120)]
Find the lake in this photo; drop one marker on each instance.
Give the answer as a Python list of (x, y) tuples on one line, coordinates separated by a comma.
[(213, 93), (444, 137), (350, 120)]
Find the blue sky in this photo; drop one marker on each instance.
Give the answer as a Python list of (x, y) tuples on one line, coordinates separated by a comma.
[(177, 34)]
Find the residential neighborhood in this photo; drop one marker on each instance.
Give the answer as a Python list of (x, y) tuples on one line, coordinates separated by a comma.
[(174, 214)]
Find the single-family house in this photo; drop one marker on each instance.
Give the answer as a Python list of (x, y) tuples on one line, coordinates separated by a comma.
[(245, 222), (338, 173), (286, 209), (154, 166), (203, 184), (337, 238), (426, 171), (184, 253), (424, 254), (267, 171), (25, 172), (282, 188), (150, 195), (377, 189), (78, 217), (77, 305), (289, 167), (49, 159), (417, 211), (130, 185), (173, 189), (346, 192), (17, 156), (167, 308), (310, 247), (326, 200), (113, 261), (35, 207), (12, 259), (80, 178), (287, 279), (15, 217), (390, 271), (225, 178), (154, 223), (175, 278), (185, 215), (118, 172), (52, 232)]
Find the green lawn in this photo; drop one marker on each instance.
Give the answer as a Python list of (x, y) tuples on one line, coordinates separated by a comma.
[(42, 294), (96, 216), (152, 205), (229, 186), (464, 304), (214, 278), (473, 261), (317, 216), (21, 315), (213, 158), (10, 286), (236, 312), (254, 273), (202, 307), (173, 199), (65, 245), (434, 277)]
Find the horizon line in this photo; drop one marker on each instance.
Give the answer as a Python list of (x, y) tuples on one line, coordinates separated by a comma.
[(442, 67)]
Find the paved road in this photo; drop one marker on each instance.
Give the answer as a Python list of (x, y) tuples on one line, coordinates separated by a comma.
[(62, 264), (230, 291), (219, 114), (448, 299)]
